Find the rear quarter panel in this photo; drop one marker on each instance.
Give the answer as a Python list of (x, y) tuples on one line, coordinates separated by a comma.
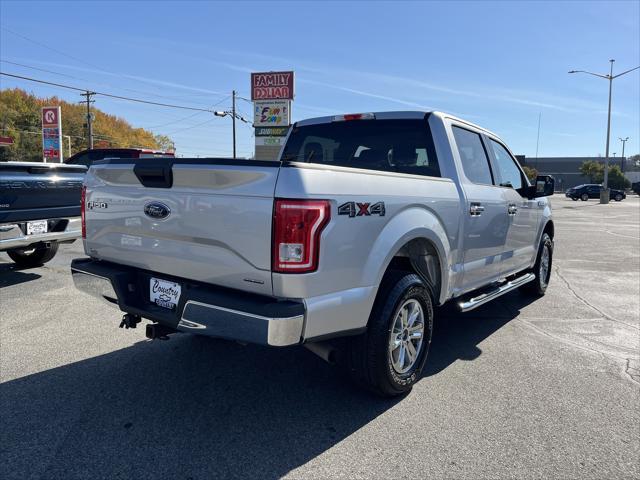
[(355, 251)]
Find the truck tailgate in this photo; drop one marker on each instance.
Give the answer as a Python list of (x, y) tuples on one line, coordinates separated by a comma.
[(34, 191), (204, 219)]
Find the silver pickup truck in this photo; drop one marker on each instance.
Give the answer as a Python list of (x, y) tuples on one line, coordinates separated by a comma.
[(344, 245)]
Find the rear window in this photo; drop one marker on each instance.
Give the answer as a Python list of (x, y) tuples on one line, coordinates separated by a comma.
[(403, 146)]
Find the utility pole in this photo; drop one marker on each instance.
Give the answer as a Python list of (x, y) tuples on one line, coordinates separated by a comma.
[(88, 100), (623, 140), (233, 116), (538, 139), (604, 193), (232, 113)]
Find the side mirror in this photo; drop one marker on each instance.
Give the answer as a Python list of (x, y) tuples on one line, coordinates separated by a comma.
[(545, 186)]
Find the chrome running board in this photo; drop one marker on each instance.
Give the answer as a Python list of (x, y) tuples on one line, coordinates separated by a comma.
[(475, 302)]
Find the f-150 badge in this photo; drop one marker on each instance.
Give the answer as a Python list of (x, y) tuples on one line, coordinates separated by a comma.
[(355, 209)]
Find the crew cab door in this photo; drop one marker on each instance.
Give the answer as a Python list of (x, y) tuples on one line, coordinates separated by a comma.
[(522, 212), (485, 220)]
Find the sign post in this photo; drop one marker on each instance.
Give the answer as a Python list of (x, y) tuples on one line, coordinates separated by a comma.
[(52, 134), (271, 93)]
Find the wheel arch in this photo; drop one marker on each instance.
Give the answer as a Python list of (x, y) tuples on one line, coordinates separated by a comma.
[(414, 240)]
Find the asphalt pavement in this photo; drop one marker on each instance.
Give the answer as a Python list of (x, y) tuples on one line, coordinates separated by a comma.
[(517, 388)]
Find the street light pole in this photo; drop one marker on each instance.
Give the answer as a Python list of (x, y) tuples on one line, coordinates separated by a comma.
[(623, 140), (604, 193), (233, 116), (232, 113)]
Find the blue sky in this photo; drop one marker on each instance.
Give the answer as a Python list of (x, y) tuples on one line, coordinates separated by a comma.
[(498, 64)]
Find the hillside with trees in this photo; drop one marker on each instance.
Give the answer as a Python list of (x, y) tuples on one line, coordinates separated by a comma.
[(20, 119)]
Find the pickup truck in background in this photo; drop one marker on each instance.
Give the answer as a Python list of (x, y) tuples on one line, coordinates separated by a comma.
[(39, 209), (344, 245), (88, 157)]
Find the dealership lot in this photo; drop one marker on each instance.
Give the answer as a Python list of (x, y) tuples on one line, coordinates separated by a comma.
[(549, 388)]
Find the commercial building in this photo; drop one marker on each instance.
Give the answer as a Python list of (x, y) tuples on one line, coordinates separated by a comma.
[(566, 170)]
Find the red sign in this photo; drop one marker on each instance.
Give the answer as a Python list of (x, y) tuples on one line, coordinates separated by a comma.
[(50, 117), (6, 141), (272, 86)]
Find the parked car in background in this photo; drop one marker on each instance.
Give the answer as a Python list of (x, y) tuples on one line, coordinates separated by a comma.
[(635, 186), (88, 157), (592, 190), (39, 209), (345, 245)]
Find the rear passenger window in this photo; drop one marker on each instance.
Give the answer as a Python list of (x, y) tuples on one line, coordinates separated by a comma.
[(403, 146), (474, 159), (508, 173)]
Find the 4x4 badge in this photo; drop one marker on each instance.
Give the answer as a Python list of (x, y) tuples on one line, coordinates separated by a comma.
[(356, 209)]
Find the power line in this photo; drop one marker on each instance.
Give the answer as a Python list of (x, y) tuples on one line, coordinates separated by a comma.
[(192, 126), (41, 70), (49, 48), (102, 84), (130, 99)]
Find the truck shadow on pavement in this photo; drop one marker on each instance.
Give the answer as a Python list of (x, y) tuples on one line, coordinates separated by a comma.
[(193, 407), (10, 275)]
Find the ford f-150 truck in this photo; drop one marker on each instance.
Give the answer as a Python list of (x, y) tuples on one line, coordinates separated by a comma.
[(39, 209), (345, 244)]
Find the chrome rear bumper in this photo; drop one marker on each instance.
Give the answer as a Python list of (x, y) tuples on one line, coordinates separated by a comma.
[(12, 236)]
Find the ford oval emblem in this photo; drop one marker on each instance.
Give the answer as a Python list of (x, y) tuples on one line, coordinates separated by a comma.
[(157, 210)]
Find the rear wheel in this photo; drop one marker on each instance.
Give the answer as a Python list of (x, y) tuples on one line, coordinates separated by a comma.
[(388, 359), (618, 197), (584, 197), (32, 257), (575, 199), (542, 268)]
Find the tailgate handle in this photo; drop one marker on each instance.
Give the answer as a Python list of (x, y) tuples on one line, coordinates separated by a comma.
[(154, 176)]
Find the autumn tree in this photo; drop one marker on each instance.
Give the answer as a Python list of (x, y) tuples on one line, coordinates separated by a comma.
[(20, 119)]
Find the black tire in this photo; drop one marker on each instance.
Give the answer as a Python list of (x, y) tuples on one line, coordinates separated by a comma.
[(618, 197), (584, 197), (33, 257), (538, 286), (575, 199), (369, 357)]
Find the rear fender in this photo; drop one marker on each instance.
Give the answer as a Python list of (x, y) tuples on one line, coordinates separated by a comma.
[(415, 222)]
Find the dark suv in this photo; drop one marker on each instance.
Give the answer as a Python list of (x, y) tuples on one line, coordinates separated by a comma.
[(587, 191)]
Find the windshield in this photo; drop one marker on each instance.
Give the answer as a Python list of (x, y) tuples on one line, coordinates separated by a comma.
[(403, 146)]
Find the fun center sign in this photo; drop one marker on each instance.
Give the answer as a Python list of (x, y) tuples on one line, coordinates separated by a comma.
[(272, 86)]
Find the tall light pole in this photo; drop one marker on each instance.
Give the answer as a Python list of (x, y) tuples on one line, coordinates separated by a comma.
[(623, 140), (232, 113), (604, 194)]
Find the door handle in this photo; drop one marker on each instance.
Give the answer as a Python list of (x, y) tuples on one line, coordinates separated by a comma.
[(476, 209), (513, 209)]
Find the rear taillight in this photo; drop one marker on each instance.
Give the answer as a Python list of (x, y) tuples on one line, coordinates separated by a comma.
[(297, 225), (83, 206)]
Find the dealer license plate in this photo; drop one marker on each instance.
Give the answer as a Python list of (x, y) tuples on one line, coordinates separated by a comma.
[(163, 293), (34, 228)]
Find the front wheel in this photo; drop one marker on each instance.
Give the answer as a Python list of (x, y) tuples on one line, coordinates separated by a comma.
[(388, 359), (575, 199), (33, 257), (542, 268), (618, 198)]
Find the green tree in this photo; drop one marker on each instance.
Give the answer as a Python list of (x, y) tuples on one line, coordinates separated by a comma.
[(594, 170), (530, 172), (617, 178)]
